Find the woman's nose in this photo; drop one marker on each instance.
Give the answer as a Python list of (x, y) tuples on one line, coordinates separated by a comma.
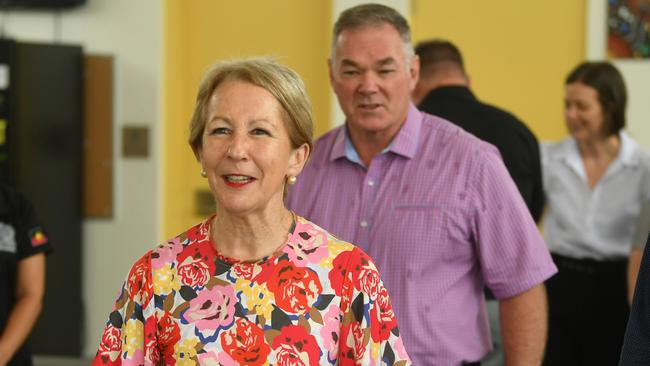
[(238, 148), (570, 112)]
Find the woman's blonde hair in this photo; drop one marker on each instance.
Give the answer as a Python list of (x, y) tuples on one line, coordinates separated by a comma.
[(282, 82)]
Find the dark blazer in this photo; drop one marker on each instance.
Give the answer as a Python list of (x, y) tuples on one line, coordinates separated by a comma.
[(636, 346)]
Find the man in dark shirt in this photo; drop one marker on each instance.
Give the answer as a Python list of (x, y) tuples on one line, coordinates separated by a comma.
[(23, 246), (443, 90)]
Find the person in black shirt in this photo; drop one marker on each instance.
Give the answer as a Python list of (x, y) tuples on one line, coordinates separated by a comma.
[(636, 346), (443, 90), (22, 275)]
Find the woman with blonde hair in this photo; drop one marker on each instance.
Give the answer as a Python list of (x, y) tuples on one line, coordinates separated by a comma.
[(254, 284)]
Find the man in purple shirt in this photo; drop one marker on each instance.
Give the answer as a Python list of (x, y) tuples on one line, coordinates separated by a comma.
[(433, 205)]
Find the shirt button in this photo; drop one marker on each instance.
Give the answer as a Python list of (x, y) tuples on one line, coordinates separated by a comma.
[(364, 223), (371, 182)]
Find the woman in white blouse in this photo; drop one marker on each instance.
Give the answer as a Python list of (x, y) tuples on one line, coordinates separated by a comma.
[(595, 181)]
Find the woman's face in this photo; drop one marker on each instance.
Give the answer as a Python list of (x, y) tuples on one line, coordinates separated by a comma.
[(246, 151), (583, 112)]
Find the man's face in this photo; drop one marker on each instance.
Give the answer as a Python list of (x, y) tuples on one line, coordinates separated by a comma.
[(372, 78)]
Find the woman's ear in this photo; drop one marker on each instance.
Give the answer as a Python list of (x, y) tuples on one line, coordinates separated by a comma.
[(298, 159)]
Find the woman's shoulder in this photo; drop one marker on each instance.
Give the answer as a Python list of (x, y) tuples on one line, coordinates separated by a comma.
[(634, 153), (312, 243), (556, 147), (554, 150), (306, 229)]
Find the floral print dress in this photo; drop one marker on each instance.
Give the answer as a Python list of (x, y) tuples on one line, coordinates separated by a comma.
[(316, 301)]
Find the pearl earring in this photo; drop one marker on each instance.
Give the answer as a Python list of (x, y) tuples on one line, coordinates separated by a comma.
[(204, 174), (291, 180)]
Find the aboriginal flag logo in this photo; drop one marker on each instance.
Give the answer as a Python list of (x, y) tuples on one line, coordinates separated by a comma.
[(37, 237)]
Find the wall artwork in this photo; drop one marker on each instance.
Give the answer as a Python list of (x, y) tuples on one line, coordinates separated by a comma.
[(628, 29)]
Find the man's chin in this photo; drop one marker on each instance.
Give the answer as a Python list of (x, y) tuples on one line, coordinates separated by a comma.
[(370, 124)]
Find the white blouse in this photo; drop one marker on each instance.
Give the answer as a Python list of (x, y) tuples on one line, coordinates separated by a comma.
[(596, 223)]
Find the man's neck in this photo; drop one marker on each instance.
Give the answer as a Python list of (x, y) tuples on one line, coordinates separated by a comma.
[(427, 84), (369, 144)]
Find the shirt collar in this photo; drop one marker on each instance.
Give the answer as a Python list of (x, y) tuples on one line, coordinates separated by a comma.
[(405, 142), (626, 156), (629, 147)]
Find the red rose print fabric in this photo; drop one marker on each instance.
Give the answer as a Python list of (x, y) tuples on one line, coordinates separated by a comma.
[(317, 301), (295, 289), (245, 343), (295, 347)]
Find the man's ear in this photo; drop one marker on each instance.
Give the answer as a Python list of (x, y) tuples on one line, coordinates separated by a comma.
[(414, 70), (330, 69)]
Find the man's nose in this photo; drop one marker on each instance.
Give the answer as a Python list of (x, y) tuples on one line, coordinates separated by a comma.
[(369, 83)]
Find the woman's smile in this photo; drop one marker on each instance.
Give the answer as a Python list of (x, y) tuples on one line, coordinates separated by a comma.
[(237, 180)]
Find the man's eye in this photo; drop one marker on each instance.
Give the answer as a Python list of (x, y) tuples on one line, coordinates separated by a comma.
[(350, 72), (386, 71)]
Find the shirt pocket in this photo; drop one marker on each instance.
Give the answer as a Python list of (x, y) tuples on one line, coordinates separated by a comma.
[(419, 230)]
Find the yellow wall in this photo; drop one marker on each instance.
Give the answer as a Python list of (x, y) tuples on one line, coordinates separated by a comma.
[(200, 32), (516, 52)]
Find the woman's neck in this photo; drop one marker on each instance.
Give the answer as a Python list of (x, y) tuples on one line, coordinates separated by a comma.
[(597, 155), (600, 149), (252, 236)]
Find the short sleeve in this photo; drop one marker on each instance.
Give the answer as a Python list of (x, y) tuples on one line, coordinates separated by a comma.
[(130, 333), (31, 238), (511, 251), (369, 333)]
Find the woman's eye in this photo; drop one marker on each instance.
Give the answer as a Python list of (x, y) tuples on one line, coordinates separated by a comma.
[(260, 132), (582, 106), (219, 131)]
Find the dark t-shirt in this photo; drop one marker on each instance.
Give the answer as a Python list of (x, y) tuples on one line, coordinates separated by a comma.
[(517, 144), (21, 236), (636, 347)]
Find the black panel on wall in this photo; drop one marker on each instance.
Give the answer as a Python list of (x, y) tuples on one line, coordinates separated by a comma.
[(44, 138), (42, 4)]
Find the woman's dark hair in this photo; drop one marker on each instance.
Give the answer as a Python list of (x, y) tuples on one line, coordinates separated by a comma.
[(608, 82)]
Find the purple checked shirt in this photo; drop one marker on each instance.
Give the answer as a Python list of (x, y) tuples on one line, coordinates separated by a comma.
[(441, 217)]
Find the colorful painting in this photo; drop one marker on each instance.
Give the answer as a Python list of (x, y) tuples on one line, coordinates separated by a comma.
[(628, 24)]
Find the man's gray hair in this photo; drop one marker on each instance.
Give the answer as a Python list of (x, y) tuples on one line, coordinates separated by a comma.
[(373, 15)]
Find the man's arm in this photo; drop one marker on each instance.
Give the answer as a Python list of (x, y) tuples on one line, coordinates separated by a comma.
[(524, 326), (30, 288)]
